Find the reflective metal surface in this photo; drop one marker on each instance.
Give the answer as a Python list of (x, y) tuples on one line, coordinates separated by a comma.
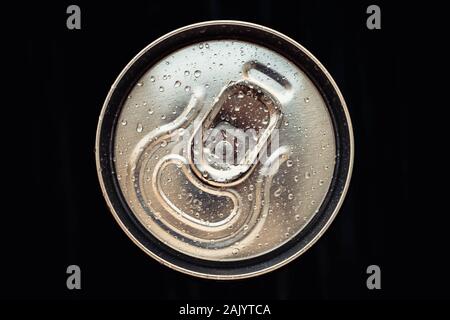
[(224, 151)]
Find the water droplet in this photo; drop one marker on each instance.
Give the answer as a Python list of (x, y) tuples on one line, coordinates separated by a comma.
[(152, 79), (277, 192), (290, 196), (177, 84), (187, 73), (206, 45), (235, 251), (163, 116), (206, 86), (163, 143), (296, 178), (197, 73), (161, 89), (221, 65), (200, 46), (306, 99), (307, 175), (240, 95), (321, 182), (297, 217), (139, 127), (289, 163), (150, 111), (187, 88), (140, 84), (245, 227), (286, 123), (250, 197), (124, 122)]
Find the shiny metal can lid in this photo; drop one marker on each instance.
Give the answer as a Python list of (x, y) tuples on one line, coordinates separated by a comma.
[(224, 149)]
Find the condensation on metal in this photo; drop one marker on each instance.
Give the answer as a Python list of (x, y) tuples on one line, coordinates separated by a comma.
[(205, 209)]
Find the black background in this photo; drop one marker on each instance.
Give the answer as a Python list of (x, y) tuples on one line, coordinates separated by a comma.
[(63, 219)]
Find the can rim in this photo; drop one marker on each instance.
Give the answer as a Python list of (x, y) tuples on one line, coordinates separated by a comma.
[(269, 267)]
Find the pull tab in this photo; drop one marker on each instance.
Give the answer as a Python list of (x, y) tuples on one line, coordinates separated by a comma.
[(268, 78), (226, 144)]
